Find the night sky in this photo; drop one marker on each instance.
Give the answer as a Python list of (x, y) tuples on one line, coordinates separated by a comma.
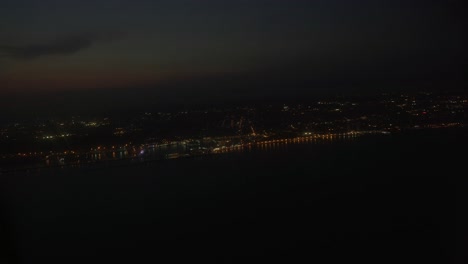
[(60, 54)]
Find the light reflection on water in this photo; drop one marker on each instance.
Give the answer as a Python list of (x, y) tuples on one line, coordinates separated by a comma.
[(168, 151)]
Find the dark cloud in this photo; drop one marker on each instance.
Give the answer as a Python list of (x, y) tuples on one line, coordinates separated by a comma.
[(64, 46)]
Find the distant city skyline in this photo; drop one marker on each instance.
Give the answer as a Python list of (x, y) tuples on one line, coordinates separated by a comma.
[(188, 132)]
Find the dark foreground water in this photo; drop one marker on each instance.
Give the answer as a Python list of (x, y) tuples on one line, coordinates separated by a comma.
[(381, 199)]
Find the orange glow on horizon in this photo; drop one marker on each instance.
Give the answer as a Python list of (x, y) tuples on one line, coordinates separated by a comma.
[(36, 82)]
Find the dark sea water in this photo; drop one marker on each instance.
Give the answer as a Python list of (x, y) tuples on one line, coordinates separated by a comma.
[(376, 199)]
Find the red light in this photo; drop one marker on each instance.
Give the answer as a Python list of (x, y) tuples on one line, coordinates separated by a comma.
[(424, 113)]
